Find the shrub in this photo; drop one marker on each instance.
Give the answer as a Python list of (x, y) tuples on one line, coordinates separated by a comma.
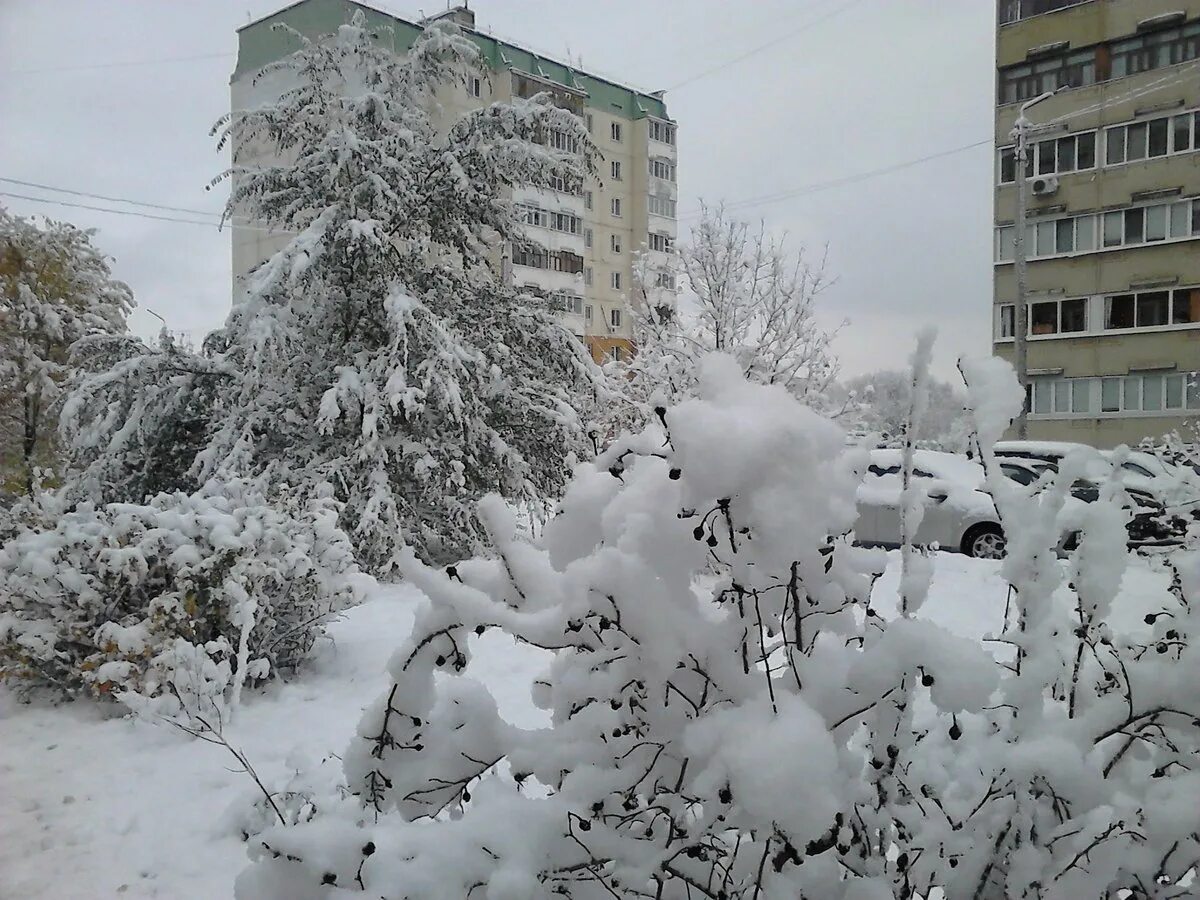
[(171, 606)]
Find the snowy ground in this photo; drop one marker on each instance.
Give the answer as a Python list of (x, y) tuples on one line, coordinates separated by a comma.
[(102, 807)]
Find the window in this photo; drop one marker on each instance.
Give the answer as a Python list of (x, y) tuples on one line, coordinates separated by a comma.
[(1078, 68), (1008, 325), (587, 276), (1016, 10), (663, 243), (615, 131), (1055, 156), (1150, 393), (587, 199), (1185, 307), (476, 86), (1074, 316), (588, 122), (1155, 50), (615, 317), (1043, 318), (662, 132), (662, 168), (616, 281), (1152, 309), (587, 238), (1150, 139), (616, 170), (1081, 395), (569, 302), (661, 206), (536, 257), (567, 223), (1119, 311), (614, 242), (1118, 228), (587, 311), (557, 139), (1026, 80), (564, 185), (616, 207), (665, 280), (1110, 395)]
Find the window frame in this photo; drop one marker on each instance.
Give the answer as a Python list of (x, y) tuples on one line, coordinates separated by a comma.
[(1136, 395)]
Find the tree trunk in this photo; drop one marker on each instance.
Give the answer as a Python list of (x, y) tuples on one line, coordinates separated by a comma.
[(33, 412)]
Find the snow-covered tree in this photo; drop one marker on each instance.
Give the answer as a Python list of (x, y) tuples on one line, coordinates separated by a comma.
[(703, 743), (379, 355), (55, 288), (879, 402), (748, 295)]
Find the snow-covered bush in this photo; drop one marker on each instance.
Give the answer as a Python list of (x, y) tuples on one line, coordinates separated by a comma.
[(174, 605), (706, 737)]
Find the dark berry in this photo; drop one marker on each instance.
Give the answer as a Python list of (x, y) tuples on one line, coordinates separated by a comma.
[(368, 848), (674, 474), (329, 878)]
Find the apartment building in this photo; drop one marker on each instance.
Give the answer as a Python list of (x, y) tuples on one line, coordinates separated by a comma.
[(583, 239), (1113, 213)]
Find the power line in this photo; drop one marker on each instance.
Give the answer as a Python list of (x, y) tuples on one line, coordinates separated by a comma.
[(846, 179), (117, 65), (138, 214), (58, 190), (771, 43)]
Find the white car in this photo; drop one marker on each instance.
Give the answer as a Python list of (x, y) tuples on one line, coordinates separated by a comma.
[(959, 515)]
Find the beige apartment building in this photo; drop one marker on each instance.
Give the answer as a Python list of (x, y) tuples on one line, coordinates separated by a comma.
[(1114, 213), (584, 241)]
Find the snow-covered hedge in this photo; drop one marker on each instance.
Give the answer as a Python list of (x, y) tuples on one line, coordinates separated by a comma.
[(172, 606), (766, 733), (701, 742)]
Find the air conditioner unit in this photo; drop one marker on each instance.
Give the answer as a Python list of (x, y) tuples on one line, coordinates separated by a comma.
[(1045, 186)]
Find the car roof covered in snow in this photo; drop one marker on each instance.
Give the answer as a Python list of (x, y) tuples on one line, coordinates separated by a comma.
[(947, 466)]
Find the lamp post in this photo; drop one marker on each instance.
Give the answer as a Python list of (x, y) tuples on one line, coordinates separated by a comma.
[(1020, 132)]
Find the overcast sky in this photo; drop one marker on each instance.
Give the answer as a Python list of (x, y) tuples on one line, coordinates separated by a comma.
[(117, 98)]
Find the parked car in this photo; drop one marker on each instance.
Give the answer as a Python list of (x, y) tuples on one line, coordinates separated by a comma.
[(1170, 484), (1152, 521), (959, 516)]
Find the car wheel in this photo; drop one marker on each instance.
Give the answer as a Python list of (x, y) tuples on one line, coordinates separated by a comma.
[(985, 542)]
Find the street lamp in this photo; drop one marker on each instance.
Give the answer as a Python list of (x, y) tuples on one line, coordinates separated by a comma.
[(1020, 132)]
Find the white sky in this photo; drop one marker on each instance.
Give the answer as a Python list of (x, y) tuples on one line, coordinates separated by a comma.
[(850, 86)]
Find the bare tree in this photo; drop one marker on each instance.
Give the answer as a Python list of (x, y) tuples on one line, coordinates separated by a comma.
[(756, 299), (752, 298)]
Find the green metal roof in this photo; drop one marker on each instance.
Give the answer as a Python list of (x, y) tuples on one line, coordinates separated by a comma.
[(259, 44)]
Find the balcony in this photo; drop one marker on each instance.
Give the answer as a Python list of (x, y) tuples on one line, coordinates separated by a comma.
[(1018, 10)]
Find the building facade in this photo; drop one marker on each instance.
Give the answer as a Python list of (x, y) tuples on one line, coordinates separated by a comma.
[(584, 240), (1113, 222)]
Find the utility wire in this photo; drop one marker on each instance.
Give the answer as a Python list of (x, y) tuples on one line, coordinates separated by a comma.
[(812, 23), (117, 65), (838, 182), (139, 214), (58, 190)]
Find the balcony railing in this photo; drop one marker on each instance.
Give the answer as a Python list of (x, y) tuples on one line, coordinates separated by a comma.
[(1016, 10)]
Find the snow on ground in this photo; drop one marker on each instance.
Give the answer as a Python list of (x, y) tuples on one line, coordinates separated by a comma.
[(94, 806)]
